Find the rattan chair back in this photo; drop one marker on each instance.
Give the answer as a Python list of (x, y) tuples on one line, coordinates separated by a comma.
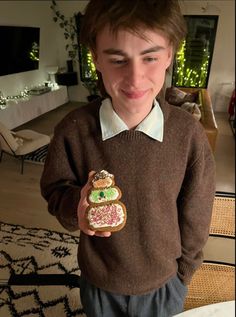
[(223, 217), (214, 282)]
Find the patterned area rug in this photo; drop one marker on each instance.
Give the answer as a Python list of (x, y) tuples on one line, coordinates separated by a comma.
[(32, 250), (37, 156)]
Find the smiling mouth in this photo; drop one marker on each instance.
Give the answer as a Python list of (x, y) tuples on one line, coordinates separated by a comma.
[(134, 94)]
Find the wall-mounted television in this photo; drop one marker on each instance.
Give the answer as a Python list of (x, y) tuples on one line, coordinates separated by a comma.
[(19, 49)]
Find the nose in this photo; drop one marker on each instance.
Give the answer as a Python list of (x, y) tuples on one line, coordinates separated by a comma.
[(135, 74)]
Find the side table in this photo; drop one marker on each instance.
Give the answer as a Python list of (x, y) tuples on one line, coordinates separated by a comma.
[(67, 79)]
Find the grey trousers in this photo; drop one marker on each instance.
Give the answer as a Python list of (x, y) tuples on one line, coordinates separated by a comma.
[(164, 302)]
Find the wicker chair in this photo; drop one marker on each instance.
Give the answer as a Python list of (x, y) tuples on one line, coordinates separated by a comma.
[(214, 281)]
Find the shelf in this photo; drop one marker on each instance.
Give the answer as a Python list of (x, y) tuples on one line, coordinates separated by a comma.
[(20, 112)]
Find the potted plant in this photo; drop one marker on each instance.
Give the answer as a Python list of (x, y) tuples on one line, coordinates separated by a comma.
[(92, 89), (70, 33), (71, 28)]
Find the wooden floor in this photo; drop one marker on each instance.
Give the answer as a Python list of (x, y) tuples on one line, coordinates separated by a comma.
[(20, 199)]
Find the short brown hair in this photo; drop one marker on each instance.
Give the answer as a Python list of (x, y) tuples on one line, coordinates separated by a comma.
[(132, 15)]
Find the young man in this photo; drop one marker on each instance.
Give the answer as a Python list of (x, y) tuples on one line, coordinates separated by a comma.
[(159, 155)]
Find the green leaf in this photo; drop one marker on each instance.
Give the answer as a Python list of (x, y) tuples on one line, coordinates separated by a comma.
[(55, 19)]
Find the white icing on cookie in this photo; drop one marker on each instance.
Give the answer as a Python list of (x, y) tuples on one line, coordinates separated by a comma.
[(110, 215)]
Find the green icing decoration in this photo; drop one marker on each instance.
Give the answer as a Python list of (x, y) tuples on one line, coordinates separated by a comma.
[(107, 194)]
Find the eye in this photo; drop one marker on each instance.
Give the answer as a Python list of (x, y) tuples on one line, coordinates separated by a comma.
[(118, 61), (150, 59)]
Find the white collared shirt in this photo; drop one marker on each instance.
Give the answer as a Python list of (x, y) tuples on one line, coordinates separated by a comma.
[(112, 124)]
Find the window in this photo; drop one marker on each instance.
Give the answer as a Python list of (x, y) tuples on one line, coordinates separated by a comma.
[(193, 60), (87, 67)]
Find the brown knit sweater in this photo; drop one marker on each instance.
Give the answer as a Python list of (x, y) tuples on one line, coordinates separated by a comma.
[(167, 187)]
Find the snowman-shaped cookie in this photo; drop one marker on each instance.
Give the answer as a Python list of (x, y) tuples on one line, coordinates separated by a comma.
[(105, 212)]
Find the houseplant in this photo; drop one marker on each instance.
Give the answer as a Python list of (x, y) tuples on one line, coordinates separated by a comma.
[(71, 27), (70, 33)]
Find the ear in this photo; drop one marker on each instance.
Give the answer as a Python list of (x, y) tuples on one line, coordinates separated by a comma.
[(169, 56)]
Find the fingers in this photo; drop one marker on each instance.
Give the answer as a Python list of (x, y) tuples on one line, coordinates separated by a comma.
[(91, 173), (97, 233), (83, 204), (88, 232), (103, 234)]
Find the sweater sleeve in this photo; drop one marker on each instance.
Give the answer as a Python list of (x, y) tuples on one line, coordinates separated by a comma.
[(59, 185), (195, 204)]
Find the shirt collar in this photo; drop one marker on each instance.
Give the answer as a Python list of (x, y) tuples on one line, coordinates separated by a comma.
[(112, 124)]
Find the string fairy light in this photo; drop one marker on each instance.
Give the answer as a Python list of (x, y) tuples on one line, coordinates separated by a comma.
[(185, 75)]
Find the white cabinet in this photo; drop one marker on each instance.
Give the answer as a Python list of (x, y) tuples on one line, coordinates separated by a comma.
[(16, 114)]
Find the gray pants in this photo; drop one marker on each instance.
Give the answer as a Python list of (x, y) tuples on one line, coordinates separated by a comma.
[(164, 302)]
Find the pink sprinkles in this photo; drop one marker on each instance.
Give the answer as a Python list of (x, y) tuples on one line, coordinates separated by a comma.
[(106, 215)]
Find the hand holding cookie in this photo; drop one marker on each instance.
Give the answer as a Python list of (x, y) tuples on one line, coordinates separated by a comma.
[(105, 212), (83, 204)]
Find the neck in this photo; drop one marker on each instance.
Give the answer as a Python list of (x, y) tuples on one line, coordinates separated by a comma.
[(133, 119)]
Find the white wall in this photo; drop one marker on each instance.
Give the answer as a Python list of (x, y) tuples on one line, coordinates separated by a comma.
[(52, 44)]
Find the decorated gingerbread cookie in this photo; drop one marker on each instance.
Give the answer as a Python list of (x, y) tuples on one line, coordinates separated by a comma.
[(105, 211)]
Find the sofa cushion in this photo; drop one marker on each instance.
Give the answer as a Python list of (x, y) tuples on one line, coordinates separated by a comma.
[(177, 97), (207, 113), (192, 108)]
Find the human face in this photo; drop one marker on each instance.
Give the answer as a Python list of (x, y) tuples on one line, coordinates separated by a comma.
[(133, 68)]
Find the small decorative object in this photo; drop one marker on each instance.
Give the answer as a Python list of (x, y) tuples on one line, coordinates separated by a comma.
[(51, 70), (3, 102), (39, 90)]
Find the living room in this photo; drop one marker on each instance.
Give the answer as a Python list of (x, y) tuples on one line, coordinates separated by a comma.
[(53, 52), (20, 200)]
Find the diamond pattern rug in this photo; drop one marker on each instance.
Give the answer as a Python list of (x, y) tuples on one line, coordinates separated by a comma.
[(40, 251)]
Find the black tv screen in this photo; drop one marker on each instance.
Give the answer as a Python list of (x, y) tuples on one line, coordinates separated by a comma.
[(19, 49)]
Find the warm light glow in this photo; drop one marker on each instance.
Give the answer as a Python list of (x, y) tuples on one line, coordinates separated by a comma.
[(91, 73), (34, 53), (190, 76)]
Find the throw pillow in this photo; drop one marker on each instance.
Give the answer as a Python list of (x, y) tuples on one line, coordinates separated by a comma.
[(192, 108), (177, 97)]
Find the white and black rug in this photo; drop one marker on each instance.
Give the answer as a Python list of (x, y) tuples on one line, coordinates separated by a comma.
[(40, 251), (37, 156)]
